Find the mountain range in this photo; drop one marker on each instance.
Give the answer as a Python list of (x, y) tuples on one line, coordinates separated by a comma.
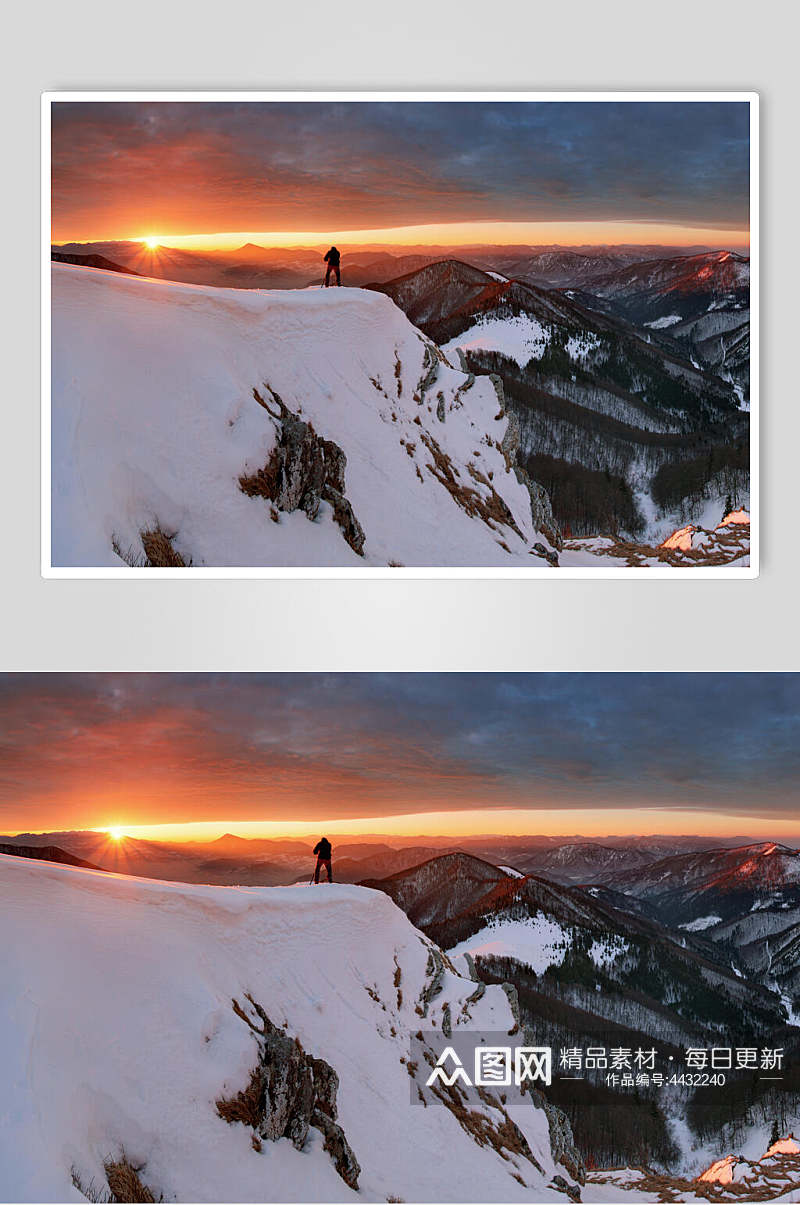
[(666, 942), (626, 380), (701, 303), (627, 966), (618, 422)]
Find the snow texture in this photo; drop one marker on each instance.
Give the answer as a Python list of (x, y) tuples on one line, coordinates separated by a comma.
[(702, 922), (154, 422), (538, 942), (117, 1031), (521, 338)]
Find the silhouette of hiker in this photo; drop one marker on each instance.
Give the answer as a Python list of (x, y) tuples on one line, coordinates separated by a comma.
[(323, 851), (332, 258)]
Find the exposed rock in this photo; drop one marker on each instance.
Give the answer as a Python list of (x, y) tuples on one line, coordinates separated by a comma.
[(513, 1003), (435, 970), (572, 1190), (303, 470), (431, 358), (562, 1141), (473, 974), (289, 1091), (541, 508), (538, 549), (335, 464), (344, 515), (338, 1148), (497, 385)]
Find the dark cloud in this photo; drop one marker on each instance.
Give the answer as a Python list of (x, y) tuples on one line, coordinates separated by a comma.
[(283, 166), (201, 747)]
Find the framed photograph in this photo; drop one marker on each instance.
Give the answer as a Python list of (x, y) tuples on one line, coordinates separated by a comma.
[(413, 334), (400, 937)]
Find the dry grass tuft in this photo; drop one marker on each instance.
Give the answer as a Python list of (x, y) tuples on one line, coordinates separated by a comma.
[(503, 1136), (264, 483), (491, 509), (158, 549), (124, 1182), (246, 1106)]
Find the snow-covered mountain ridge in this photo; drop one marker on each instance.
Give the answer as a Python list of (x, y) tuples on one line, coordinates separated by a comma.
[(161, 453), (118, 1034)]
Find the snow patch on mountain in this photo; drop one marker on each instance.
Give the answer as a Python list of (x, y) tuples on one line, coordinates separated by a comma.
[(538, 942), (579, 347), (604, 953), (701, 922), (660, 323), (521, 337)]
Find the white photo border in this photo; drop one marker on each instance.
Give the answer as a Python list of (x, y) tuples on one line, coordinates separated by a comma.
[(688, 573)]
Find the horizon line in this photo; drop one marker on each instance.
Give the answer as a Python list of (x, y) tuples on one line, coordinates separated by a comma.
[(148, 832), (605, 232)]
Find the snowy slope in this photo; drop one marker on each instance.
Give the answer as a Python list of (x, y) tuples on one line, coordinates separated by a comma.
[(117, 1032), (521, 337), (538, 942), (154, 422)]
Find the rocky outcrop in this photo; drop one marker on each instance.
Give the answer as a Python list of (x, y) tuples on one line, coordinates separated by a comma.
[(289, 1092), (541, 508), (303, 471), (431, 359), (338, 1148), (561, 1185), (562, 1141), (434, 971)]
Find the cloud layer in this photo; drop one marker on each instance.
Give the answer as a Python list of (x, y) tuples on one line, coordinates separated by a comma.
[(121, 168), (150, 748)]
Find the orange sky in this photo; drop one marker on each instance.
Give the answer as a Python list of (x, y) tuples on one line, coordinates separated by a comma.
[(509, 821), (401, 753), (565, 234), (488, 170)]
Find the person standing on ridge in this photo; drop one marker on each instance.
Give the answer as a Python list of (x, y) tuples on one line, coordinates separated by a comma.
[(323, 851), (332, 259)]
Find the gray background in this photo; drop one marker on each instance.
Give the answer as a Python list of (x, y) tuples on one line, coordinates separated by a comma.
[(393, 625)]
